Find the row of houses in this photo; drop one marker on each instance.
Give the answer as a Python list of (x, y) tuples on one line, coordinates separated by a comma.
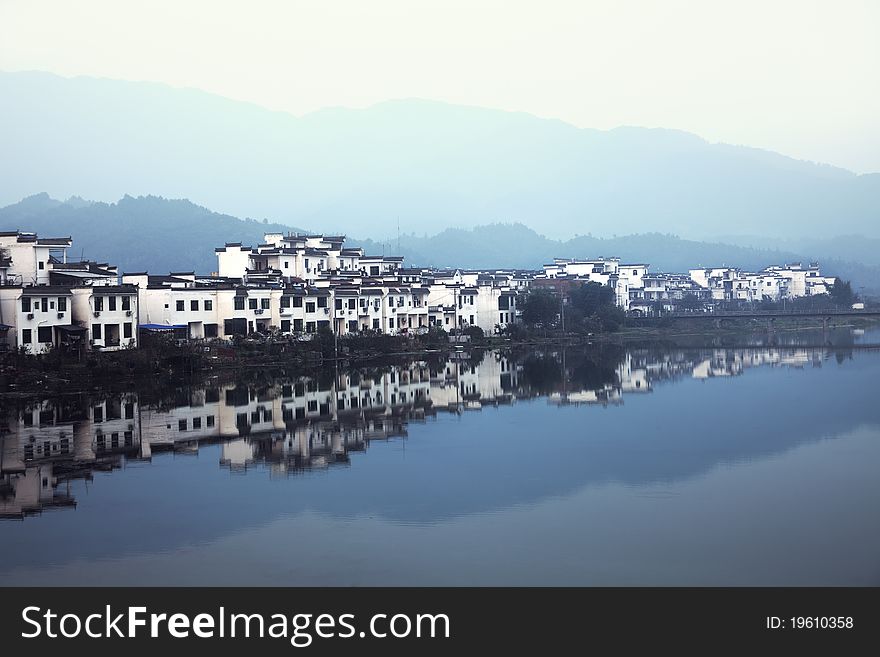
[(639, 291), (298, 284)]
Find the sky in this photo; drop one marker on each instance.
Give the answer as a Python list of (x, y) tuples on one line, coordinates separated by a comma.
[(795, 76)]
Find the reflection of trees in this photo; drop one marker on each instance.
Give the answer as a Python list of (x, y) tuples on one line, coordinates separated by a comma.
[(591, 368), (596, 368), (542, 372)]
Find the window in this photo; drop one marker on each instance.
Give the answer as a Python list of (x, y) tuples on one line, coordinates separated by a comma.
[(126, 330), (181, 425), (44, 304), (264, 304), (209, 421), (209, 305), (99, 304), (126, 303), (96, 331), (501, 319), (503, 302), (194, 304), (285, 302), (25, 304), (339, 304), (297, 302), (26, 336), (41, 264), (312, 406), (472, 320), (111, 303), (310, 327), (322, 302), (44, 334), (352, 303), (390, 302), (391, 323), (286, 264), (307, 264), (97, 414), (297, 325), (376, 324), (180, 305), (238, 303), (285, 326), (210, 330), (252, 304), (374, 271), (197, 423), (310, 306)]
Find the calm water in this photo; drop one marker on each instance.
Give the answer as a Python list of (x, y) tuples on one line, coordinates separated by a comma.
[(589, 467)]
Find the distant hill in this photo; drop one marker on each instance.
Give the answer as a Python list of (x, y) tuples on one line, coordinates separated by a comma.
[(161, 235), (426, 166), (145, 233)]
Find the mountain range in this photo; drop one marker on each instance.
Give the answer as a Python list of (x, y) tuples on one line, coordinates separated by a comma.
[(150, 233), (414, 166)]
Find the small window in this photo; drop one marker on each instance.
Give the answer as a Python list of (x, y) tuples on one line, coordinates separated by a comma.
[(99, 304), (209, 305), (310, 306), (297, 302), (41, 265), (44, 304), (181, 306), (26, 336), (264, 304), (126, 303), (238, 303), (126, 330), (252, 304), (322, 302), (197, 423), (96, 331), (194, 305), (44, 334), (285, 302), (25, 304), (181, 425), (111, 303), (209, 421)]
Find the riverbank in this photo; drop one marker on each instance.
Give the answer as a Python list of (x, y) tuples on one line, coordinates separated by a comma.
[(159, 365)]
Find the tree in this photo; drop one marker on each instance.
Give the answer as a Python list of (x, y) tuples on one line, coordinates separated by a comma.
[(539, 306), (691, 302), (594, 304), (842, 294)]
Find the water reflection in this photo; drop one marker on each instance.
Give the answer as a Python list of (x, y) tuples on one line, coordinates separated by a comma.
[(289, 425)]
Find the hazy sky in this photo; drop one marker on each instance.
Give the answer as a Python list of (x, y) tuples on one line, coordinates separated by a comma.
[(797, 76)]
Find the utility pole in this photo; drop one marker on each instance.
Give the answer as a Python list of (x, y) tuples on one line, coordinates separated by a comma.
[(563, 314)]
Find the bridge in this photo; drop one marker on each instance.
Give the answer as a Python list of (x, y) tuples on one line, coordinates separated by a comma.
[(769, 315), (747, 314)]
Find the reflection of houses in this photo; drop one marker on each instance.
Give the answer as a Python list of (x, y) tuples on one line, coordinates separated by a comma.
[(49, 444), (293, 425)]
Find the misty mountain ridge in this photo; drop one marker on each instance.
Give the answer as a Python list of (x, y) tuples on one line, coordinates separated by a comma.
[(150, 233), (415, 163)]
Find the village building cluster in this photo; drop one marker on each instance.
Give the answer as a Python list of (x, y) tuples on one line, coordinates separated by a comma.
[(298, 284)]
